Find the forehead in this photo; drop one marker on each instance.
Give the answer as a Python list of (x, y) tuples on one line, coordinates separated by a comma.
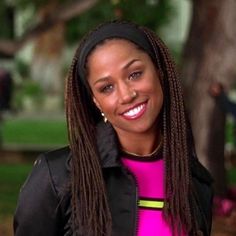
[(112, 49), (115, 52)]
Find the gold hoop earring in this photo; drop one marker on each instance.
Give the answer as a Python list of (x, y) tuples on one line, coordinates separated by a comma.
[(104, 117)]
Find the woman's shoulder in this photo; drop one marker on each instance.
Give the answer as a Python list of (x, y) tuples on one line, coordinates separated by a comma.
[(57, 163), (203, 185), (57, 160), (200, 172), (57, 155), (50, 170), (43, 195)]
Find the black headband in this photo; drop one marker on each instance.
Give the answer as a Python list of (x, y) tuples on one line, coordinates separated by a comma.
[(126, 31)]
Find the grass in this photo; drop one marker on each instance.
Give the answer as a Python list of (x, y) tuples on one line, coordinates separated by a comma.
[(12, 176), (34, 132), (23, 133)]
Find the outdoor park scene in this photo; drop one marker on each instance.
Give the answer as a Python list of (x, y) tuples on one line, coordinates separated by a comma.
[(37, 43)]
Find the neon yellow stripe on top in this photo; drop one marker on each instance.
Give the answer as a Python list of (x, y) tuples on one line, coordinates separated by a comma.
[(151, 203)]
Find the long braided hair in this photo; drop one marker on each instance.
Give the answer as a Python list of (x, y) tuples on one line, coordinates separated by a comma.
[(178, 148), (89, 201)]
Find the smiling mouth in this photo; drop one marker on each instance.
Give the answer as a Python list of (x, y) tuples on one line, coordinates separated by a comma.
[(135, 112)]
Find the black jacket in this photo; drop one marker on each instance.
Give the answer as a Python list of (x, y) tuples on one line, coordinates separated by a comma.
[(44, 202)]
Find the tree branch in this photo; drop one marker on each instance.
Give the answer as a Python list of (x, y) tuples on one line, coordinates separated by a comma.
[(62, 14)]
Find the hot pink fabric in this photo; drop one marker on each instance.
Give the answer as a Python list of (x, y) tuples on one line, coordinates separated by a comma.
[(150, 179)]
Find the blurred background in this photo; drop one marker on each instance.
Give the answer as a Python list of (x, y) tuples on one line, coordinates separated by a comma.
[(37, 42)]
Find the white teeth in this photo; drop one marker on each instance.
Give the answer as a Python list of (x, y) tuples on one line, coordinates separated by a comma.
[(134, 111)]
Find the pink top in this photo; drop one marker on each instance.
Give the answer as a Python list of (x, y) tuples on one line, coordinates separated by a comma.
[(149, 174)]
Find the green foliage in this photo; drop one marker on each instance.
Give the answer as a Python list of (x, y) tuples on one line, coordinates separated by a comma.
[(152, 14), (28, 89), (29, 10), (231, 175), (78, 26), (31, 88), (22, 68), (37, 3), (6, 19), (21, 4)]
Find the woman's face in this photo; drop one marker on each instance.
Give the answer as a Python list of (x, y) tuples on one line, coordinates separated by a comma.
[(118, 70)]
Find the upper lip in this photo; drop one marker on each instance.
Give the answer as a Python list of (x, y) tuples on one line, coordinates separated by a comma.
[(130, 108)]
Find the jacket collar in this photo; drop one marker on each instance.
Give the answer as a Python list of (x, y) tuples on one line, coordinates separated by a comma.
[(107, 144)]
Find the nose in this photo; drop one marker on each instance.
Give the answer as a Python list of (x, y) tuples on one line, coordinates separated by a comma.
[(126, 93)]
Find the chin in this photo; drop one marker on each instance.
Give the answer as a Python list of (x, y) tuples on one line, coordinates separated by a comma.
[(142, 129)]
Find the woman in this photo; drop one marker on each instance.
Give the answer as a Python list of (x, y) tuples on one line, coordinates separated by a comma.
[(131, 168)]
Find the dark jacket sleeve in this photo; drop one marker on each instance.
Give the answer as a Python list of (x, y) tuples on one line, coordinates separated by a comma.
[(203, 184), (37, 211)]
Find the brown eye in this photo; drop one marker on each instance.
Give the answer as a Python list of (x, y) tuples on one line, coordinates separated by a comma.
[(107, 88), (135, 75)]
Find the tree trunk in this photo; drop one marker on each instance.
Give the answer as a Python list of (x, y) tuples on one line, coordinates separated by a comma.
[(210, 55), (47, 63)]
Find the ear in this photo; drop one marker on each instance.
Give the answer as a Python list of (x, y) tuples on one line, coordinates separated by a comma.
[(96, 103)]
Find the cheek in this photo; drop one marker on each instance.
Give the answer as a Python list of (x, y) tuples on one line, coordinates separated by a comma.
[(153, 80), (153, 86), (158, 93), (106, 104)]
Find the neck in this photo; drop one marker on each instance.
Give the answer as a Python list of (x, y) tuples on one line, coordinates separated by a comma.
[(142, 145)]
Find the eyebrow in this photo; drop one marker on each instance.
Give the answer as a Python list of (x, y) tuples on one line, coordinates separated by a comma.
[(124, 67), (130, 63)]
